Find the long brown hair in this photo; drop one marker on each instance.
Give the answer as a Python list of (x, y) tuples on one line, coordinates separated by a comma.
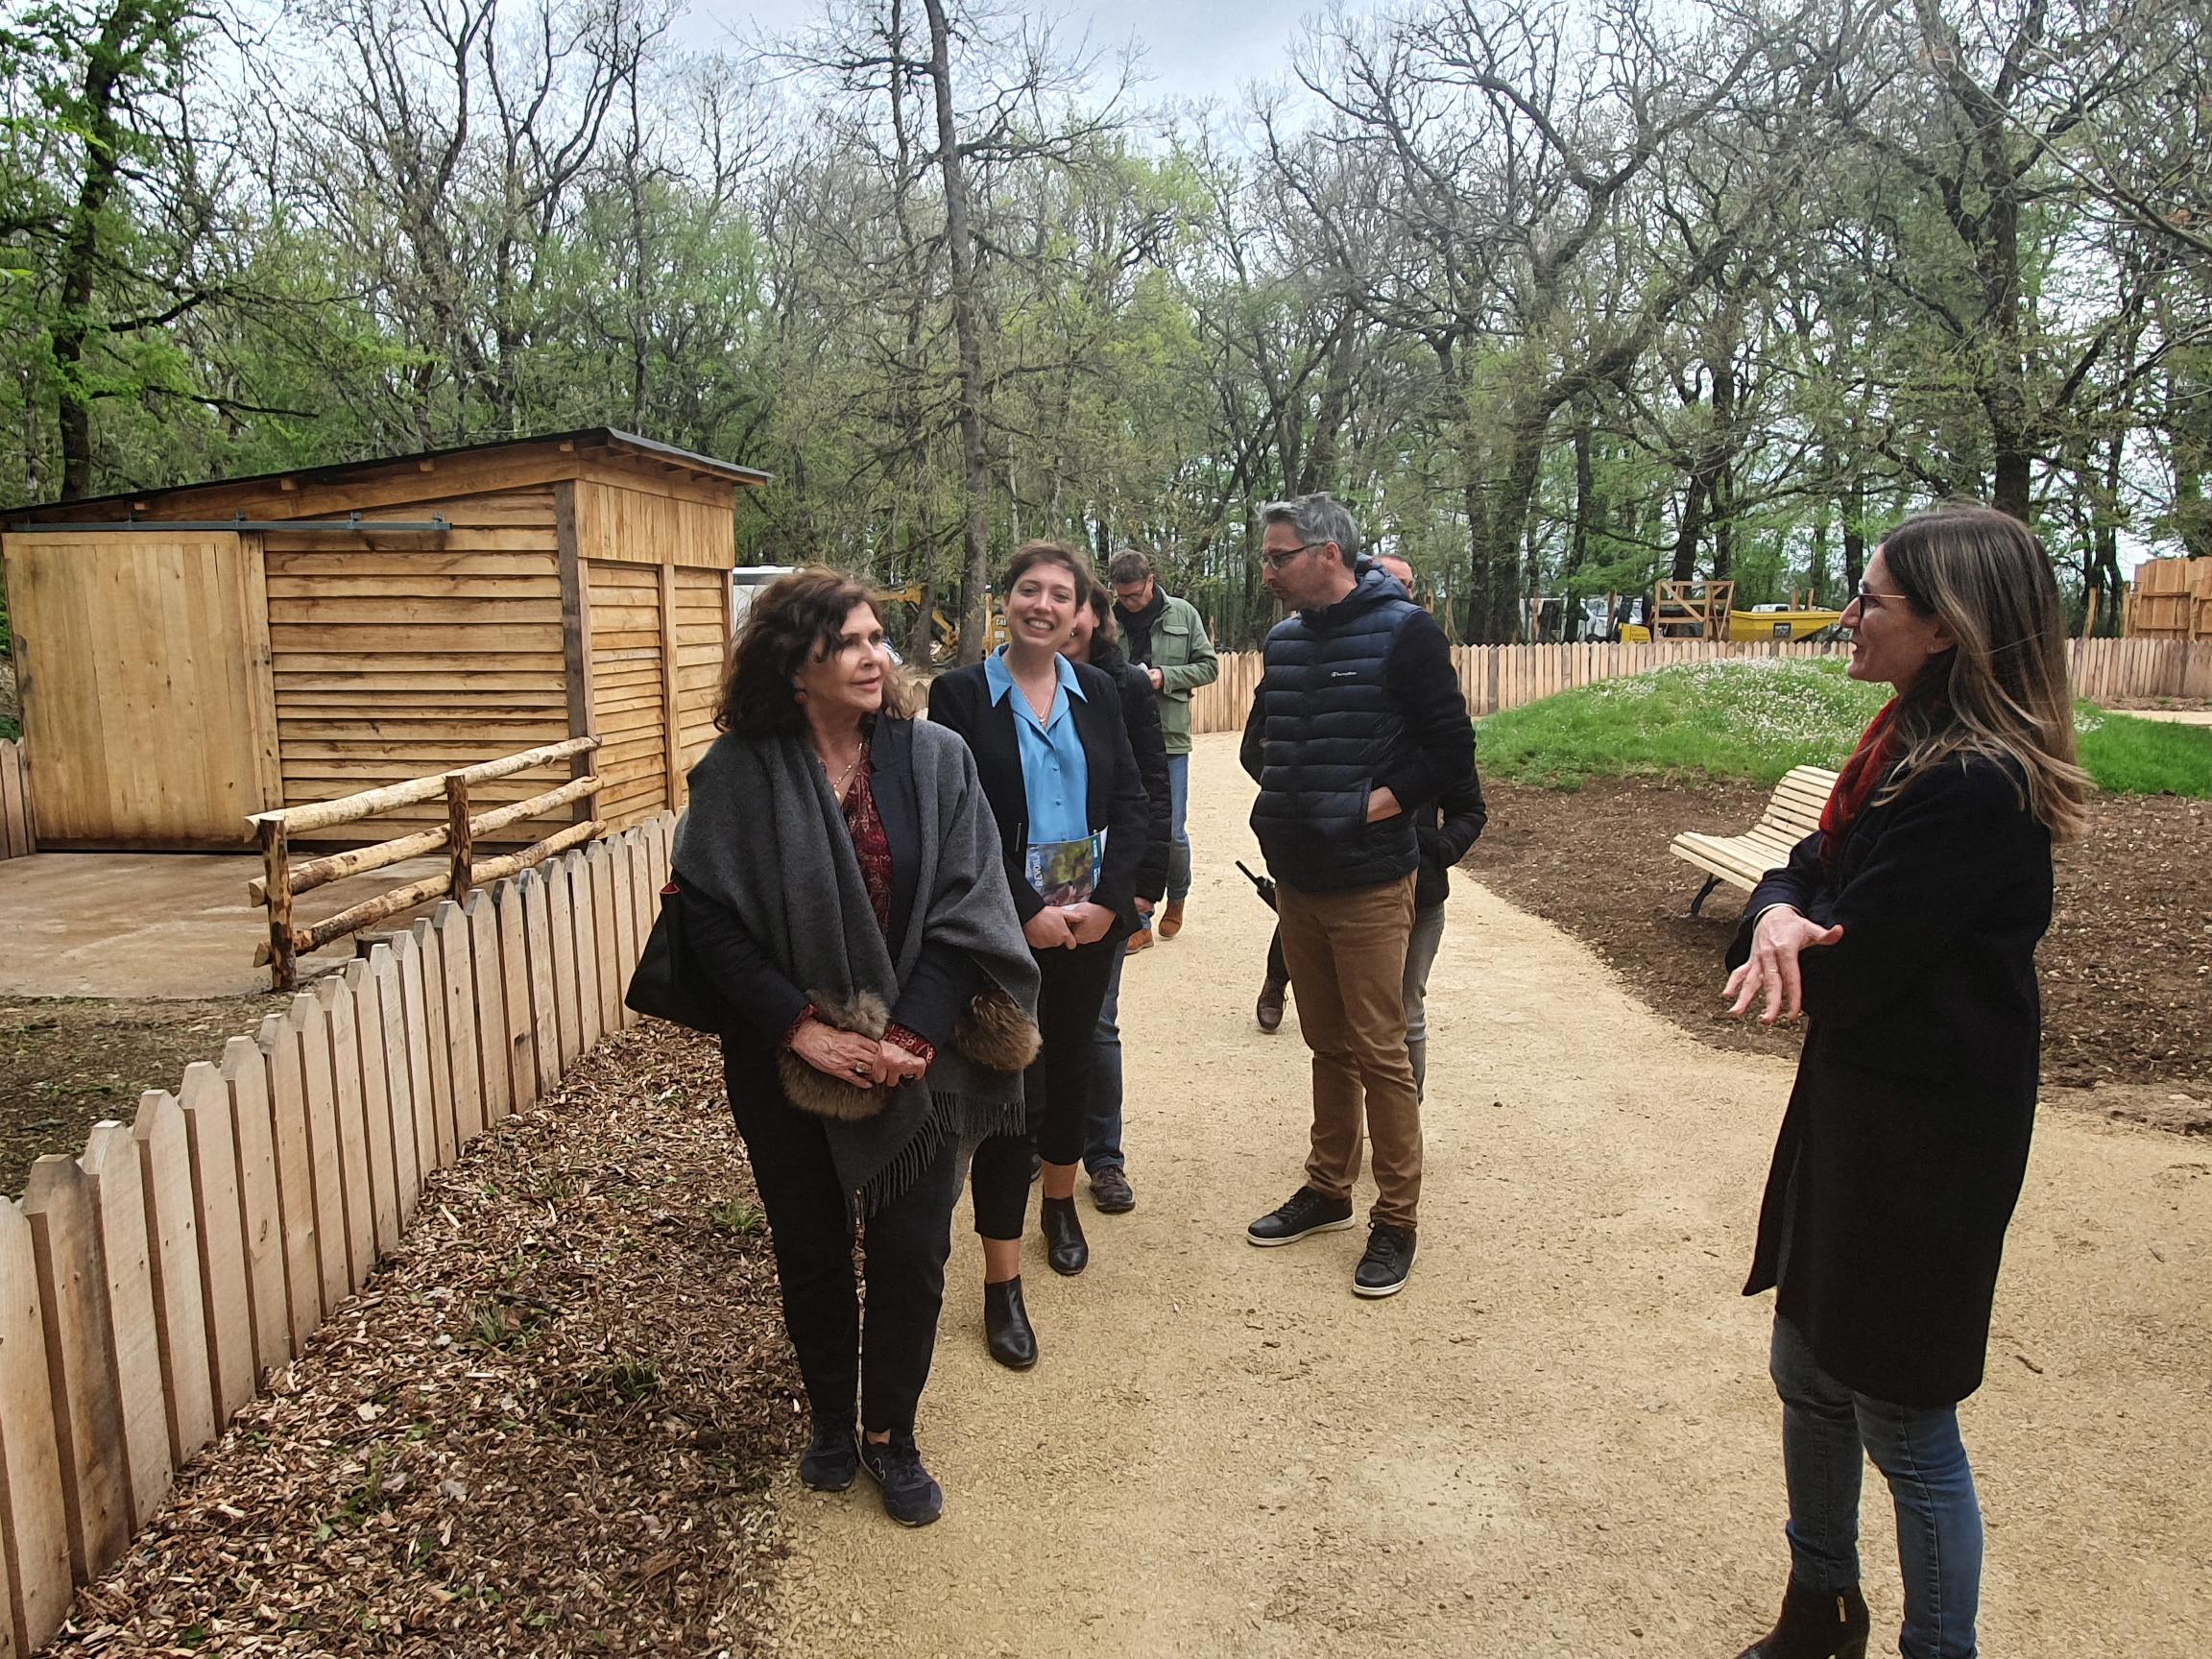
[(795, 619), (2003, 691)]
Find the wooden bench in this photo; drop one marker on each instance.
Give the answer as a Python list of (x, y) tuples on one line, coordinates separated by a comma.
[(1741, 860)]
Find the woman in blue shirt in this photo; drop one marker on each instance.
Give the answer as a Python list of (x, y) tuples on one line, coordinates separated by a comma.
[(1053, 756)]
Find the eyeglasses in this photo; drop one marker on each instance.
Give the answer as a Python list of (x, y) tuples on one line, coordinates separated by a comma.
[(1870, 600), (1276, 561)]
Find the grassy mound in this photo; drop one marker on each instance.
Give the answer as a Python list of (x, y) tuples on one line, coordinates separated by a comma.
[(1755, 718)]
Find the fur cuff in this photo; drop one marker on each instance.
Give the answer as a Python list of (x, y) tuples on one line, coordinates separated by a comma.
[(996, 1034), (817, 1092)]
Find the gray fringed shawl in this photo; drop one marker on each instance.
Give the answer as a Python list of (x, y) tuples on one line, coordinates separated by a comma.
[(765, 837)]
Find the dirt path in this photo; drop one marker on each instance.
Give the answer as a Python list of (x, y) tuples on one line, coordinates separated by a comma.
[(1560, 1438)]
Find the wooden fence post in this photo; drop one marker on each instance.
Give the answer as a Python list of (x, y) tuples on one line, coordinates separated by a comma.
[(302, 1232), (560, 917), (212, 1145), (599, 859), (276, 875), (34, 1529), (460, 839), (489, 1005), (585, 913), (86, 1401), (345, 1110), (514, 991), (260, 1205), (534, 894), (450, 929), (173, 1255), (325, 1156), (111, 1165), (427, 1034), (366, 1011), (622, 872), (388, 985)]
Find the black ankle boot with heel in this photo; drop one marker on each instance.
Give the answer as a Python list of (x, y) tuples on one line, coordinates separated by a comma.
[(1066, 1248), (1816, 1625), (1007, 1326)]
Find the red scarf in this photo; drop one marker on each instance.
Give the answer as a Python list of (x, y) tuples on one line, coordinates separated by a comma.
[(1855, 786)]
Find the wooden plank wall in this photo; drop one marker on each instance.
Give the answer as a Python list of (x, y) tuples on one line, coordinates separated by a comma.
[(144, 1286), (656, 556), (629, 688), (18, 829), (1496, 677), (2172, 599), (397, 656)]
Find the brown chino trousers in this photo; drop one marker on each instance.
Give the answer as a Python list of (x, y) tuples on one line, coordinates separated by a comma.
[(1347, 957)]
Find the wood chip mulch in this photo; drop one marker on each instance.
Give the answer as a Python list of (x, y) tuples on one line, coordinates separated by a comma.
[(548, 1425), (2126, 969)]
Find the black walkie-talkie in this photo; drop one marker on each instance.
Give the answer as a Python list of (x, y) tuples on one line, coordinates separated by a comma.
[(1264, 885)]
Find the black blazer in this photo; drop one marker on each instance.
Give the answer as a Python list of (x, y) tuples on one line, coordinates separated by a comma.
[(1901, 1157), (762, 996), (1115, 801)]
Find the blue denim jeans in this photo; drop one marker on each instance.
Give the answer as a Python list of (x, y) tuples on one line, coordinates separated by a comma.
[(1826, 1428), (1102, 1118), (1178, 830)]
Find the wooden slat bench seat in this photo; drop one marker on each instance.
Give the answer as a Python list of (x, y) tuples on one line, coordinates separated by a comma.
[(1741, 860)]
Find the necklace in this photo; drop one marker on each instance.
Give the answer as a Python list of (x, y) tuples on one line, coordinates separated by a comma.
[(837, 786)]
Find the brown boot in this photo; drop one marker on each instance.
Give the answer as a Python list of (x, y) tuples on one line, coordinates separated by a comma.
[(1139, 940), (1816, 1626), (1170, 921)]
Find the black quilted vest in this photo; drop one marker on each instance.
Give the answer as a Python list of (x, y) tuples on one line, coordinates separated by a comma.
[(1328, 725)]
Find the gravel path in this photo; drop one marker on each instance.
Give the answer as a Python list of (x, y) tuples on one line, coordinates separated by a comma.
[(1559, 1439)]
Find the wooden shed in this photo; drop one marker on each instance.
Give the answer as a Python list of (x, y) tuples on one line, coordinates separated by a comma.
[(190, 656)]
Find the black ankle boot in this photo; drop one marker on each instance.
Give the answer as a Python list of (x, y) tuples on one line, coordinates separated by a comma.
[(1007, 1326), (1065, 1249), (1816, 1626)]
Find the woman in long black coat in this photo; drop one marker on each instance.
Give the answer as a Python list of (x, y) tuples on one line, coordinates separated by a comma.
[(1905, 930)]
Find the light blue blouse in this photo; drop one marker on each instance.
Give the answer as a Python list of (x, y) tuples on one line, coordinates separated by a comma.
[(1055, 772)]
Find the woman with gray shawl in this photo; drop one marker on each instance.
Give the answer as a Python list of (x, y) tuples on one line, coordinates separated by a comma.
[(839, 876)]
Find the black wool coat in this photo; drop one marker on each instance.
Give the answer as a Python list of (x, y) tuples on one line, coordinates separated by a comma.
[(1906, 1140), (1148, 742), (1115, 801)]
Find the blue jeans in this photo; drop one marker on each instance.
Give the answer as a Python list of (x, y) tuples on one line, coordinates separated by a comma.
[(1178, 829), (1826, 1428), (1102, 1117)]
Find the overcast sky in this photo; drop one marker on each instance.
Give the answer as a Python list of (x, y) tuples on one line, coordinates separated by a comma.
[(1193, 49)]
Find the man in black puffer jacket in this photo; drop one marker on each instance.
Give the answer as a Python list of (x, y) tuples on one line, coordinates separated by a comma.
[(1358, 723)]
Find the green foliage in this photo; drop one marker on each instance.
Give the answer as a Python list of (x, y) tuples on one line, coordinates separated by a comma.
[(1754, 718)]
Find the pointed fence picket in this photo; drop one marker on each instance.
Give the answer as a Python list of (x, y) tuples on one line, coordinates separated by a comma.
[(147, 1288)]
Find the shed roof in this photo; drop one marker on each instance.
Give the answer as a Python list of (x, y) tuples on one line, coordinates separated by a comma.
[(604, 442)]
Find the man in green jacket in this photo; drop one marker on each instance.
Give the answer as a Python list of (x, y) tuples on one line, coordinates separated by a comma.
[(1166, 638)]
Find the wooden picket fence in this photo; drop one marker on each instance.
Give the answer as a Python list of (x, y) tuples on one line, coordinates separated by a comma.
[(1497, 676), (150, 1284), (17, 833)]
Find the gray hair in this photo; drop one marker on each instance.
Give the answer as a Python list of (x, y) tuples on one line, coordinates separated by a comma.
[(1317, 518), (1128, 565)]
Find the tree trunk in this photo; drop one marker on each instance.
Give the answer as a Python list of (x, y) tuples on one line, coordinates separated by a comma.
[(81, 255), (960, 248)]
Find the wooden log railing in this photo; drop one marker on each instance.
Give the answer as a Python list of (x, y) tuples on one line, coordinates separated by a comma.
[(281, 880)]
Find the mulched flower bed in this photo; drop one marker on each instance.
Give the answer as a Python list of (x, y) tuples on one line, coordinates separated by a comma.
[(547, 1426), (2127, 968)]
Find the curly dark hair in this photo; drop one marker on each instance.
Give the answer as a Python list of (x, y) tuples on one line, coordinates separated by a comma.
[(795, 618)]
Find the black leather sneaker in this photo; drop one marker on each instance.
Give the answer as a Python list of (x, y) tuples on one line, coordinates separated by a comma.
[(1111, 1191), (910, 1497), (1389, 1259), (1305, 1211), (831, 1459)]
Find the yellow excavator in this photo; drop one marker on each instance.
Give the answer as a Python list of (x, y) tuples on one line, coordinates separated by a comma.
[(945, 630)]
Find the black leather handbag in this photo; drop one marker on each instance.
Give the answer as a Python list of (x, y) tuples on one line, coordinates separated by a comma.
[(667, 983)]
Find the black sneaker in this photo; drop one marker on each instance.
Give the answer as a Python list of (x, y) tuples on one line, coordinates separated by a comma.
[(831, 1458), (910, 1497), (1306, 1212), (1111, 1191), (1389, 1259)]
